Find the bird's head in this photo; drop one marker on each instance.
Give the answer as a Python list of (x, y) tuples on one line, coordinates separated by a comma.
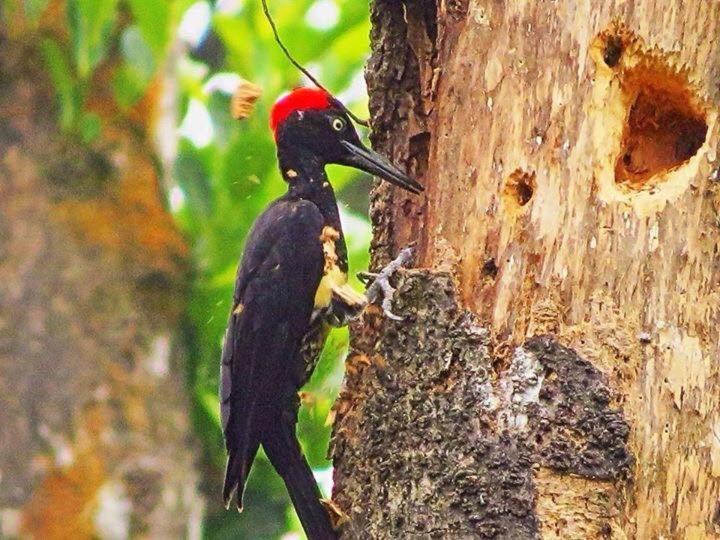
[(310, 122)]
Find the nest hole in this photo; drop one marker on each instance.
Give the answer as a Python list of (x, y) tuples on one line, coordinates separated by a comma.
[(613, 50), (519, 188), (662, 132), (490, 268)]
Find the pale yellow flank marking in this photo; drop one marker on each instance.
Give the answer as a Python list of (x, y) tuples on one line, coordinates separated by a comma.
[(238, 309), (334, 280), (331, 281), (291, 173), (332, 275)]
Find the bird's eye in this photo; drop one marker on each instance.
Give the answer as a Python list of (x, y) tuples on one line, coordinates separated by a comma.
[(338, 124)]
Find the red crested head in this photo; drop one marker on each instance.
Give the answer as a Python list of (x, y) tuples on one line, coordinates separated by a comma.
[(300, 99), (319, 134)]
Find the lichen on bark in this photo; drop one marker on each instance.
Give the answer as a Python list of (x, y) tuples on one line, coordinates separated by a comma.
[(435, 437)]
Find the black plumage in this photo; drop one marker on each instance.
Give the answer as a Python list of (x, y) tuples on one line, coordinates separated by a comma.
[(290, 289)]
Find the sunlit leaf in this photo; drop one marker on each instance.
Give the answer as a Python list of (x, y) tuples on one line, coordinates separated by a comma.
[(137, 70), (209, 401)]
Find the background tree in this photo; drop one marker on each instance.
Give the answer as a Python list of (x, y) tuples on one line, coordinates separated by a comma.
[(556, 374), (94, 424)]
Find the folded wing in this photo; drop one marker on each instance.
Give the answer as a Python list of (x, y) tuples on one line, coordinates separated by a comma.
[(281, 268)]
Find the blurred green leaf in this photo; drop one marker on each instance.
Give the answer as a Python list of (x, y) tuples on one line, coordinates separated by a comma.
[(137, 54), (153, 19), (91, 23), (136, 72), (209, 401), (90, 127), (191, 176), (63, 82)]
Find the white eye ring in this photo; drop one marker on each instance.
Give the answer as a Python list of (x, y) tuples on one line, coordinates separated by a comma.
[(338, 124)]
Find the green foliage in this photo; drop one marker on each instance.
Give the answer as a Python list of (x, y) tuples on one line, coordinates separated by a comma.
[(70, 94), (227, 181), (90, 24), (153, 19), (138, 69), (90, 126), (94, 26)]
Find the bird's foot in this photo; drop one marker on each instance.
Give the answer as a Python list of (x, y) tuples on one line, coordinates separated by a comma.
[(378, 284)]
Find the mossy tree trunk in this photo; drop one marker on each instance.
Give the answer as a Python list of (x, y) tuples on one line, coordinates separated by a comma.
[(557, 372), (95, 439)]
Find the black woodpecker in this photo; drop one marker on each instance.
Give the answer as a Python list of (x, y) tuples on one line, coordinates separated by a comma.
[(291, 287)]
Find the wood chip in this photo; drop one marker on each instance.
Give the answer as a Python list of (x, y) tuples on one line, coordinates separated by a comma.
[(244, 99)]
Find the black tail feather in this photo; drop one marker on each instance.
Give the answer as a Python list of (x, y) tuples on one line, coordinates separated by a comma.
[(232, 474), (236, 473), (283, 451)]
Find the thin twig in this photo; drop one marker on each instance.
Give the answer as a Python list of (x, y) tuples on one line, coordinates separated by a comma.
[(300, 67)]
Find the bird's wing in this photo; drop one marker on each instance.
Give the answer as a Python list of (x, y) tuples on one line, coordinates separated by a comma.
[(281, 268)]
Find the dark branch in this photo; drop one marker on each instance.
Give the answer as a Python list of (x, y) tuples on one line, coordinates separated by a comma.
[(300, 66)]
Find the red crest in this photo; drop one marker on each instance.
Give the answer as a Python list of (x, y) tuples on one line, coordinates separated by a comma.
[(300, 99)]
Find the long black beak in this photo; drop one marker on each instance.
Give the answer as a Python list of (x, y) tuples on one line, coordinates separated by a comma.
[(371, 162)]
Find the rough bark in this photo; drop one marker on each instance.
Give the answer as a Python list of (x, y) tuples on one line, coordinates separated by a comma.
[(95, 438), (556, 375)]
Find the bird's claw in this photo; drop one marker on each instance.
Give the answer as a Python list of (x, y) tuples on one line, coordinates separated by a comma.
[(380, 286)]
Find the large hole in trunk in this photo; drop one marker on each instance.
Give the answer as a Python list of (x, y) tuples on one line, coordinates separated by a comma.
[(662, 132)]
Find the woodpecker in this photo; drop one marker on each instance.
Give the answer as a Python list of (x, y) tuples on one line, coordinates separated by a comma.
[(291, 288)]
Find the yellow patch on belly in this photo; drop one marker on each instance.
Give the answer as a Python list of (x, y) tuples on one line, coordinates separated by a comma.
[(332, 275), (334, 280)]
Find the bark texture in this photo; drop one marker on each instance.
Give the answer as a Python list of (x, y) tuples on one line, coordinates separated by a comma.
[(556, 375), (94, 429)]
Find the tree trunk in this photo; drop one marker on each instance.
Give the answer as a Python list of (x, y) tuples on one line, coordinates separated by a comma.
[(557, 372), (94, 428)]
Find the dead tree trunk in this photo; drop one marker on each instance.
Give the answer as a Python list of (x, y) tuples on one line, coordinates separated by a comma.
[(94, 428), (557, 373)]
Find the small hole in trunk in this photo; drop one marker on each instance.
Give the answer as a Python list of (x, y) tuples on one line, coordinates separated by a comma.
[(519, 189)]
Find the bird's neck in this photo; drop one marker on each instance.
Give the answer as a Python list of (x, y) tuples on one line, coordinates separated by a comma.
[(306, 178)]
